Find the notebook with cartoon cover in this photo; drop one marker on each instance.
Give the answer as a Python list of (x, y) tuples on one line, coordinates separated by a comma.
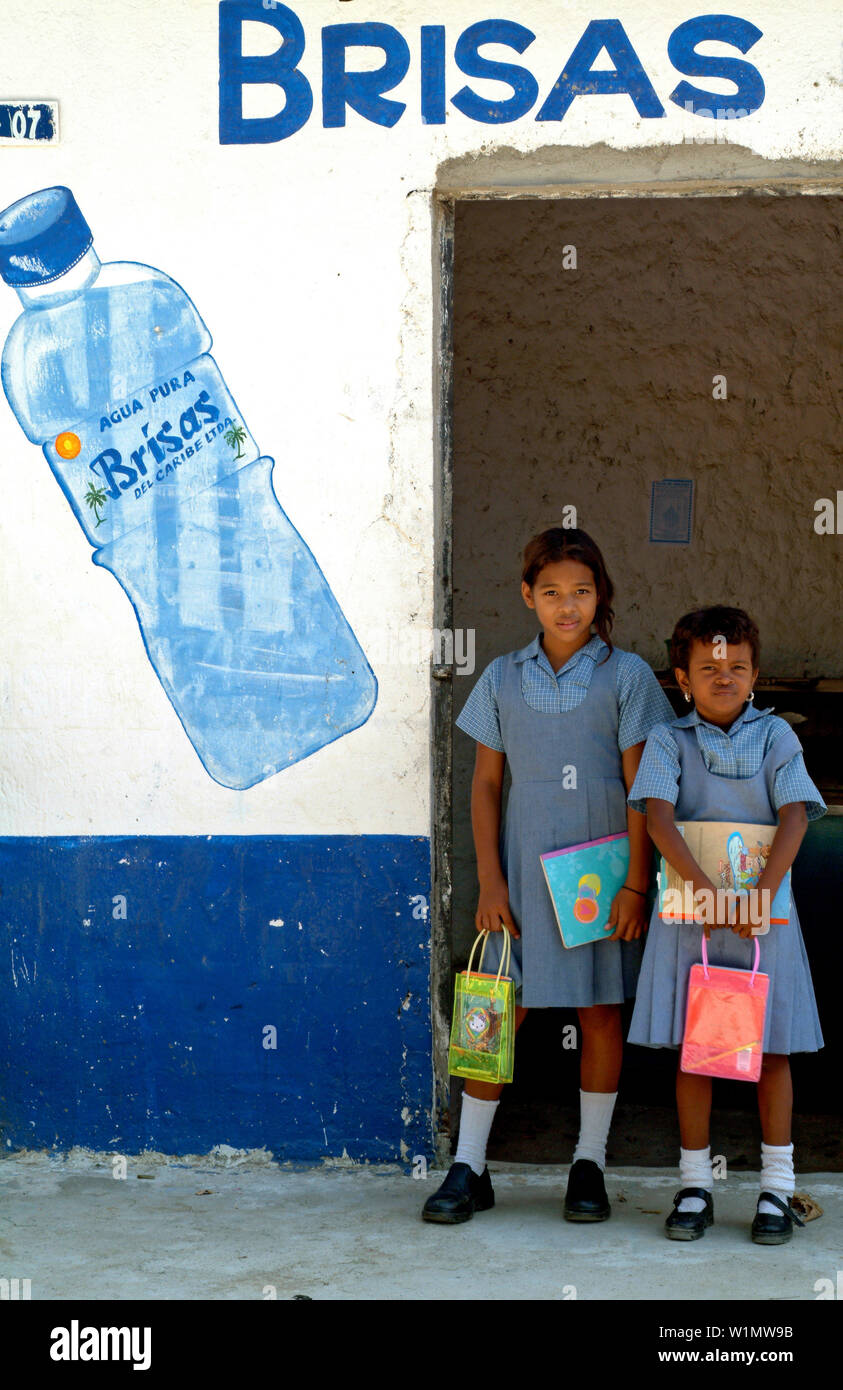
[(733, 856)]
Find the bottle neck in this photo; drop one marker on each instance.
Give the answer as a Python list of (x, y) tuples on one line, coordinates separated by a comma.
[(64, 287)]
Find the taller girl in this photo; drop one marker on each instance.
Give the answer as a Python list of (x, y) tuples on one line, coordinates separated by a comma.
[(571, 714)]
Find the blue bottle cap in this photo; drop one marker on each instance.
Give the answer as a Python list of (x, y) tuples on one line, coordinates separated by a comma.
[(41, 237)]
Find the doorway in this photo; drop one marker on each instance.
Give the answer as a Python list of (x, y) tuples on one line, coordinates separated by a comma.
[(591, 347)]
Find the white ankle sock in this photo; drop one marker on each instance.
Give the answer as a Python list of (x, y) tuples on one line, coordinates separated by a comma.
[(476, 1119), (776, 1175), (595, 1118), (695, 1171)]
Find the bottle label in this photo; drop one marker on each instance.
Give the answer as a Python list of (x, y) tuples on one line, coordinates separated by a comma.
[(164, 443)]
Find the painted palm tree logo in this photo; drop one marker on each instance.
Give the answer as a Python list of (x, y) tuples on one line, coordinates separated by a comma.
[(235, 437), (95, 497)]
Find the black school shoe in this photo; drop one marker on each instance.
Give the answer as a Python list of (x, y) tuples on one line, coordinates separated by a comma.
[(586, 1199), (774, 1230), (689, 1225), (460, 1196)]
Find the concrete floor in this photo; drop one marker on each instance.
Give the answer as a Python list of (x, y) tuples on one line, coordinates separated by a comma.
[(237, 1226)]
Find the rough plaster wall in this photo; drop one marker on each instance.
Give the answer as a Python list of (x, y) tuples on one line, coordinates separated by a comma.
[(584, 386), (293, 254), (311, 261)]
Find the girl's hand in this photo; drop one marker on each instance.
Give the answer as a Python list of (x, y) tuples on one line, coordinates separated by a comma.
[(743, 929), (700, 911), (628, 916), (739, 927), (493, 910), (721, 924), (709, 927)]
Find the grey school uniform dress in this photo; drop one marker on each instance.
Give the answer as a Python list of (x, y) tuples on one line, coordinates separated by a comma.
[(556, 728), (677, 766)]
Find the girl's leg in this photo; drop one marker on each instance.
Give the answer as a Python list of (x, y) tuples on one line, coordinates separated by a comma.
[(600, 1069), (693, 1102), (462, 1193), (479, 1105), (484, 1090), (775, 1107), (775, 1099), (602, 1048)]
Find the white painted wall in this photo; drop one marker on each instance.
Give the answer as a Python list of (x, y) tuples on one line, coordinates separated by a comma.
[(311, 261)]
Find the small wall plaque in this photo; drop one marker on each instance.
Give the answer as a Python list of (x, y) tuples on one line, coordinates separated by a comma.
[(671, 509), (28, 121)]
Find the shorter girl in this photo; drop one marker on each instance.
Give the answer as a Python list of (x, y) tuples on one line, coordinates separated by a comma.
[(727, 761)]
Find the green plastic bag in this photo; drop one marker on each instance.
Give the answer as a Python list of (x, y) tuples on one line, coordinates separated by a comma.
[(483, 1028)]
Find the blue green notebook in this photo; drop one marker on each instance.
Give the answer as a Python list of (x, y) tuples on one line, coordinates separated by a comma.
[(583, 881)]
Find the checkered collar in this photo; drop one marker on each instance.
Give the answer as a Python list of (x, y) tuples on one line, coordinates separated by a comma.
[(693, 718), (535, 651)]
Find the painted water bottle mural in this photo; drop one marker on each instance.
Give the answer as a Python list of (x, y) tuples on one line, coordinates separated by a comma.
[(109, 369)]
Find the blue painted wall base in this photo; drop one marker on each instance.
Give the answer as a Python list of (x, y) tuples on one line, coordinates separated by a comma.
[(149, 1030)]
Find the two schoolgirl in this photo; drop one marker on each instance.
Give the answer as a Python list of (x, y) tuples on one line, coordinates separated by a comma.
[(571, 700)]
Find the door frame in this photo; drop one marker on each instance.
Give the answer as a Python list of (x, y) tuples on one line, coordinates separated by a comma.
[(445, 199)]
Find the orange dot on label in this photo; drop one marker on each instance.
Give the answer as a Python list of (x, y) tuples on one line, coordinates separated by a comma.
[(68, 445)]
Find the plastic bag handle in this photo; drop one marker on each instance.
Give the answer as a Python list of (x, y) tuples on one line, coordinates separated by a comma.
[(754, 968), (481, 935), (506, 954)]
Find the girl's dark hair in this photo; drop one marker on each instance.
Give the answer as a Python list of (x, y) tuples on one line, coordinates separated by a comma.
[(562, 543), (706, 625)]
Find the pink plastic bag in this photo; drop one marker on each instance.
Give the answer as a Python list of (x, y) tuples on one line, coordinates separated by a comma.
[(724, 1020)]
